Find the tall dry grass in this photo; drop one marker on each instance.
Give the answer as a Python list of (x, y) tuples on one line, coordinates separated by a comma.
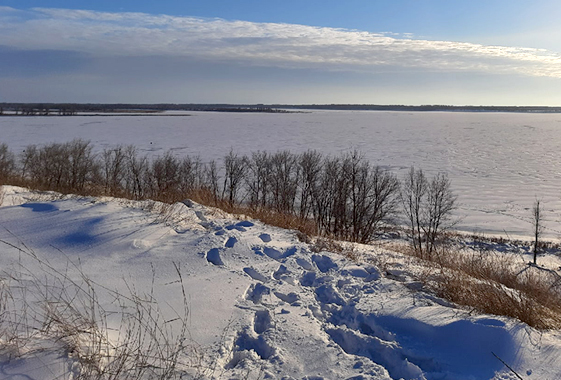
[(494, 283), (128, 339)]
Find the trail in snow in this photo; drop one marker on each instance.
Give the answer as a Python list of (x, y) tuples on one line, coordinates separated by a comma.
[(263, 305)]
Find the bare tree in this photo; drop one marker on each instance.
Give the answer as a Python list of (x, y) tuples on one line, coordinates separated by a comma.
[(165, 175), (283, 181), (257, 179), (537, 217), (114, 169), (137, 169), (234, 172), (28, 162), (7, 164), (372, 198), (378, 203), (82, 165), (325, 194), (62, 167), (190, 175), (428, 207), (440, 204), (211, 178), (351, 199), (413, 191), (53, 163), (310, 164)]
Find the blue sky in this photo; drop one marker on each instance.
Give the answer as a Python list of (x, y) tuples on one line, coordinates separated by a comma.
[(352, 51)]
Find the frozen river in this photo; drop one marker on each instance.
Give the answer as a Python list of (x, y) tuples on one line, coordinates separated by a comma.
[(499, 163)]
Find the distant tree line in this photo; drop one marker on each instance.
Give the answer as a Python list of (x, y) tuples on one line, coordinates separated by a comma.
[(73, 108), (344, 196)]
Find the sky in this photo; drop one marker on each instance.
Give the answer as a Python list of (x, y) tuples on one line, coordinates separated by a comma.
[(493, 52)]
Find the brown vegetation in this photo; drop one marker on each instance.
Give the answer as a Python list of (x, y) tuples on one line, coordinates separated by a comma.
[(337, 198), (491, 282), (48, 305), (341, 197)]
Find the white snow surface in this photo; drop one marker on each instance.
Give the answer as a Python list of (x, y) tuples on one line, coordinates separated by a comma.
[(499, 163), (261, 304)]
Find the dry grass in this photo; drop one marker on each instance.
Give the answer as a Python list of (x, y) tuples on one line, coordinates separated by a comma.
[(286, 221), (130, 340), (491, 282), (529, 305), (306, 227)]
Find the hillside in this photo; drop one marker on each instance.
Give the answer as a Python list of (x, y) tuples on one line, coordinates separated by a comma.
[(88, 283)]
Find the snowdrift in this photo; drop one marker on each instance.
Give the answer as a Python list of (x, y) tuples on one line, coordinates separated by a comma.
[(258, 302)]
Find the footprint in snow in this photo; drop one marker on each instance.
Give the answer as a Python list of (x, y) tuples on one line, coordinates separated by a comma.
[(241, 226), (278, 255), (324, 263), (305, 264), (328, 294), (266, 238), (255, 292), (255, 275), (213, 257), (231, 242), (281, 272), (308, 279), (245, 342), (257, 251), (290, 298), (273, 253), (245, 223), (262, 321)]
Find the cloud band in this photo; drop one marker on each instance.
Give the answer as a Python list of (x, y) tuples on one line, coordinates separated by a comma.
[(264, 44)]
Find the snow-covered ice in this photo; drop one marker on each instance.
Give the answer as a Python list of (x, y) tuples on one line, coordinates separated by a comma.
[(261, 303)]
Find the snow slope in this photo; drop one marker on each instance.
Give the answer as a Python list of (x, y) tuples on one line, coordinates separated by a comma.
[(261, 303)]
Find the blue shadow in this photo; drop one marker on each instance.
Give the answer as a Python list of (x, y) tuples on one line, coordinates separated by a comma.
[(40, 207)]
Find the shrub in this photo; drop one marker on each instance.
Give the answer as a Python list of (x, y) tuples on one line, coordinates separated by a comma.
[(7, 164)]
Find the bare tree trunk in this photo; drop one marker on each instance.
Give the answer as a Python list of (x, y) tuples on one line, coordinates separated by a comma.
[(234, 173), (310, 171), (537, 216)]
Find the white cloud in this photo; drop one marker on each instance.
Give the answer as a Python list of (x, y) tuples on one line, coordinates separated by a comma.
[(267, 44)]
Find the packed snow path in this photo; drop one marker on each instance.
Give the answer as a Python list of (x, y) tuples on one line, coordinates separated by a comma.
[(262, 304)]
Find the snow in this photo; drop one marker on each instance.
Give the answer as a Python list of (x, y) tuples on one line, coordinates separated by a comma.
[(499, 163), (261, 303)]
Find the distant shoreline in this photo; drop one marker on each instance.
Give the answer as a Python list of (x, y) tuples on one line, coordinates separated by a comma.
[(73, 109)]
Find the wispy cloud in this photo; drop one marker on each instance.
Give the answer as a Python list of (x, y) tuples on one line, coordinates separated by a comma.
[(264, 44)]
